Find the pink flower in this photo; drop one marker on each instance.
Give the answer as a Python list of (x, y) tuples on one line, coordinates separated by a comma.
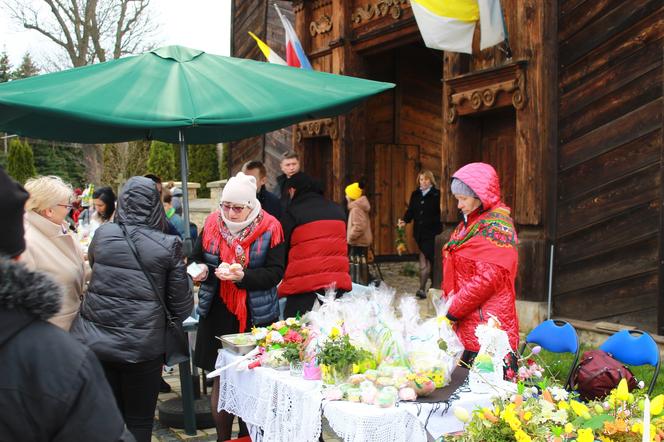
[(293, 336)]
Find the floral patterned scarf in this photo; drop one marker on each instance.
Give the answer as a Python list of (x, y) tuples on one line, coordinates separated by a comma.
[(489, 236)]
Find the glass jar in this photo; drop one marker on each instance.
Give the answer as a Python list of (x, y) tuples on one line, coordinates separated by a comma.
[(296, 368), (336, 374)]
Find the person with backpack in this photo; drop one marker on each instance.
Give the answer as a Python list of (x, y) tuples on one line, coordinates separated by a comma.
[(480, 260), (138, 273), (52, 387)]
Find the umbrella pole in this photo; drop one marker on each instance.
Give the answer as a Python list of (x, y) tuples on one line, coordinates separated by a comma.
[(187, 247), (189, 414)]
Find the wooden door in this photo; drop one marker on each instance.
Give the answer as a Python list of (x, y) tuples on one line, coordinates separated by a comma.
[(317, 162), (395, 176), (497, 147)]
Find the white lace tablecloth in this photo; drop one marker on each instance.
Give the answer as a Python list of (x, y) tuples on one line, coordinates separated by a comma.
[(285, 407), (288, 409)]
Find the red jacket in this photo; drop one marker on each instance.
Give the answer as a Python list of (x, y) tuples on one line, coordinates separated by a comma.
[(317, 258), (480, 261)]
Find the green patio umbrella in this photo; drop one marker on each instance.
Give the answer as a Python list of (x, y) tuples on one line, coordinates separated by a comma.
[(174, 94)]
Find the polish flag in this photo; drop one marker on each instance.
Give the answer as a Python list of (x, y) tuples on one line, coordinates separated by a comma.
[(295, 55)]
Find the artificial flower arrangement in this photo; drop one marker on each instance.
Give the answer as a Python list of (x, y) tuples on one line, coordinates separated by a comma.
[(529, 370), (549, 413), (283, 342)]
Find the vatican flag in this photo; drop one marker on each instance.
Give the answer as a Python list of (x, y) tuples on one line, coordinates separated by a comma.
[(449, 25)]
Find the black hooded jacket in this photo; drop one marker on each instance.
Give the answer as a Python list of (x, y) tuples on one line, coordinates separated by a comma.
[(121, 318), (52, 388)]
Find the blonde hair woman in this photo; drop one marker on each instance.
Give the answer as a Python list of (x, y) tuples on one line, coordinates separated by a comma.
[(424, 211), (50, 247)]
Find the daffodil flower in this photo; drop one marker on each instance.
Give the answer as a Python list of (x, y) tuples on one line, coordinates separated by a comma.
[(656, 405), (622, 391), (585, 435), (580, 409)]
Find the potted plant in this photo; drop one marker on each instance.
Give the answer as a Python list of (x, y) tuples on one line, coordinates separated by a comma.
[(336, 358)]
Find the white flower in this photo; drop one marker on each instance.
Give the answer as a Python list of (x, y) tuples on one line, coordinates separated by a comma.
[(259, 333), (559, 417), (292, 321), (559, 394), (275, 337), (546, 414)]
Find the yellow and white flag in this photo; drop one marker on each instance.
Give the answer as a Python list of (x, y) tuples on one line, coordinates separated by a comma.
[(449, 25), (492, 26), (270, 55)]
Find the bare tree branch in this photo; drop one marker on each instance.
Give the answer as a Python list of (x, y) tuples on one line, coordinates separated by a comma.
[(88, 30)]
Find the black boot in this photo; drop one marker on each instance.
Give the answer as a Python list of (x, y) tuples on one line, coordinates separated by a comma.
[(164, 387)]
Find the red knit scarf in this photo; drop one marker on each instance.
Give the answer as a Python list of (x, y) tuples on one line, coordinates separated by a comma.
[(489, 236), (217, 239)]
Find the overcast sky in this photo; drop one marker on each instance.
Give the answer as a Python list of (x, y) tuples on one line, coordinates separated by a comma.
[(199, 24)]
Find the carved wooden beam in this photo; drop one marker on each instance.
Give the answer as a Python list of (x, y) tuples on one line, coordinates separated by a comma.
[(325, 127), (379, 9), (317, 4), (480, 91), (320, 26)]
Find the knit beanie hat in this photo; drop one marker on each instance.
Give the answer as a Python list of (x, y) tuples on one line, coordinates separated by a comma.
[(240, 189), (353, 191), (12, 201), (461, 188)]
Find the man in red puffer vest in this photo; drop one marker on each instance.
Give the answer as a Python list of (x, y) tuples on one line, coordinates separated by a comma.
[(317, 253)]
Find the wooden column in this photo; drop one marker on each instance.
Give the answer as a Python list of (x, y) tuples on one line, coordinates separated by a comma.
[(462, 133)]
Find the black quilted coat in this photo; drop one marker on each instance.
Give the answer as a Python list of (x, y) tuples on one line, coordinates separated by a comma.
[(121, 318)]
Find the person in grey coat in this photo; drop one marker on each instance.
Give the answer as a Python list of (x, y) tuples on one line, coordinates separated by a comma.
[(121, 319), (52, 387)]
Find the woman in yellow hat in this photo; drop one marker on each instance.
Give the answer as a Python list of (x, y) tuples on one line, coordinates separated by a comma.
[(358, 235)]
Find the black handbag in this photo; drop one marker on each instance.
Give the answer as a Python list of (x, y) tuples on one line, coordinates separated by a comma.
[(177, 344)]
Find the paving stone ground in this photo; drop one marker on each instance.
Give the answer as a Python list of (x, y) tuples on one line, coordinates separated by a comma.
[(396, 275)]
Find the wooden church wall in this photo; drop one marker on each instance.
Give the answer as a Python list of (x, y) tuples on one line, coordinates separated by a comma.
[(609, 208)]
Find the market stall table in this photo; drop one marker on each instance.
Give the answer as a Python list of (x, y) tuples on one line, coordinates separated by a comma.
[(279, 407)]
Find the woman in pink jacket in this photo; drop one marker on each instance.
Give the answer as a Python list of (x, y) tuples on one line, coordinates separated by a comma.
[(480, 260)]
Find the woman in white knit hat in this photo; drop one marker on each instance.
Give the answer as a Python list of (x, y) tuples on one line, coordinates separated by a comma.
[(242, 249)]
